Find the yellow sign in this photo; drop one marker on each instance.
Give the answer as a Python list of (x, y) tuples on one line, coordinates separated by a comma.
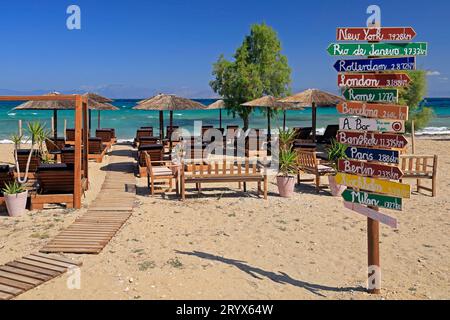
[(374, 185)]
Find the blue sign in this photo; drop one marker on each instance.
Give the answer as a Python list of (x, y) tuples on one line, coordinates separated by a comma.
[(379, 155), (373, 65)]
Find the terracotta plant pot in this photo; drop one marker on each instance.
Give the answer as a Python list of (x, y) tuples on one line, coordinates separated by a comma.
[(16, 203), (336, 189), (286, 186)]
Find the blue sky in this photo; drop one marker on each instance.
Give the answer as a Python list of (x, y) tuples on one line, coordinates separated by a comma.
[(137, 48)]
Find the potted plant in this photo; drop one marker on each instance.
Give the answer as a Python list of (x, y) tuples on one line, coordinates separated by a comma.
[(286, 138), (336, 152), (16, 198), (288, 169)]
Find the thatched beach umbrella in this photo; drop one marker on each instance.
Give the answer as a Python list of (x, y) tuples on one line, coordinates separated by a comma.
[(48, 105), (218, 105), (268, 102), (169, 102), (314, 98), (99, 103)]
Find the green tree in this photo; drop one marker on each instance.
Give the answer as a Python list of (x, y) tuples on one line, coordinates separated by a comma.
[(258, 69), (412, 96)]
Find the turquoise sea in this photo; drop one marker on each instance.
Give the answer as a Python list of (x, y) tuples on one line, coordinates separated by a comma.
[(126, 120)]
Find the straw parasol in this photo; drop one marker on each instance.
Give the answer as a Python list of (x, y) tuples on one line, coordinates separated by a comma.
[(99, 103), (48, 105), (168, 102), (269, 102), (313, 98), (218, 105)]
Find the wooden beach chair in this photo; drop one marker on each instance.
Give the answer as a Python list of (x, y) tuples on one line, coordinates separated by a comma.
[(148, 132), (222, 171), (106, 135), (113, 131), (54, 147), (329, 135), (70, 136), (6, 177), (308, 163), (162, 171), (303, 135), (156, 153), (97, 149), (55, 186), (420, 167)]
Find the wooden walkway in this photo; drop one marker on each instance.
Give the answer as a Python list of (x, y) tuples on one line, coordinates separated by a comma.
[(31, 271), (108, 212)]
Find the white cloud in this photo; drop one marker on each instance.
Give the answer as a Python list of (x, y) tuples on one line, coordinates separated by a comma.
[(433, 73)]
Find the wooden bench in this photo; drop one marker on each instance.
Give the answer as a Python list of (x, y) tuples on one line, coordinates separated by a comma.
[(97, 149), (222, 172), (308, 163), (420, 167), (56, 183)]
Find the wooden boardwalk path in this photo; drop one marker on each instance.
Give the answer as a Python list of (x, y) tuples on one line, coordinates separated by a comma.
[(107, 213)]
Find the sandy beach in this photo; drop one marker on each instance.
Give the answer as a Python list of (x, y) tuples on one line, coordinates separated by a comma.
[(228, 244)]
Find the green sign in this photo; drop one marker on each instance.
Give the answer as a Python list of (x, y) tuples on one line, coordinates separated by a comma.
[(370, 199), (378, 49), (372, 95)]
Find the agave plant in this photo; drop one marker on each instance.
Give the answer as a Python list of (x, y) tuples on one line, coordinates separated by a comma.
[(288, 162), (37, 134), (336, 152), (13, 188), (286, 138)]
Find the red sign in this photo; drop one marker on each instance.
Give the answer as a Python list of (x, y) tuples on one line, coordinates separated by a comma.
[(375, 34), (368, 169), (374, 110), (372, 80), (369, 139)]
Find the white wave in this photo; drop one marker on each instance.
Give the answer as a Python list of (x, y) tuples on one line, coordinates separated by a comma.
[(12, 114), (124, 140), (433, 131)]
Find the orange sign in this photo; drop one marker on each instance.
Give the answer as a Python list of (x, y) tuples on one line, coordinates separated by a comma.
[(374, 110)]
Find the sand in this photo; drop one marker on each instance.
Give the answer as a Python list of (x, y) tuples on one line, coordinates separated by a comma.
[(227, 244)]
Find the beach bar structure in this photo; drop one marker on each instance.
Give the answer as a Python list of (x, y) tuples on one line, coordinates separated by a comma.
[(81, 137)]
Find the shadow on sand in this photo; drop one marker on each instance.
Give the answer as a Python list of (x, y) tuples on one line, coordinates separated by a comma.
[(281, 277)]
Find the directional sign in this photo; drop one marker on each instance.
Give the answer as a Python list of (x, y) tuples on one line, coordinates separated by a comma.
[(375, 215), (374, 185), (366, 124), (372, 95), (379, 155), (370, 139), (371, 80), (368, 169), (372, 199), (375, 65), (379, 111), (375, 34), (378, 49)]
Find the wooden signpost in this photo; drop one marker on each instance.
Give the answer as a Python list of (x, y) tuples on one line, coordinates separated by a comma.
[(372, 140), (372, 125), (371, 110), (378, 49), (376, 65), (369, 169), (368, 124), (373, 199), (373, 80), (375, 34), (371, 95)]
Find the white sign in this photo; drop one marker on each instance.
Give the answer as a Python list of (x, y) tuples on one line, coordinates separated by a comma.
[(376, 125)]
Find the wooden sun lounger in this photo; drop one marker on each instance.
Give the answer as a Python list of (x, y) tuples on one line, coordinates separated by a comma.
[(420, 167), (56, 182), (147, 132), (222, 172), (97, 149), (106, 135)]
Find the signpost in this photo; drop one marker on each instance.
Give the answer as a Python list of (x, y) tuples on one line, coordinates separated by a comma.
[(367, 124), (375, 34), (378, 49), (376, 65), (378, 155), (372, 214), (371, 80), (374, 185), (372, 140), (368, 169), (379, 111), (372, 95), (372, 199)]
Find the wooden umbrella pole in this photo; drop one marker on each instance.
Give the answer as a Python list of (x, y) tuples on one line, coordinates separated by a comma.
[(90, 120), (284, 120), (98, 119), (55, 125), (171, 130), (220, 119), (314, 121), (413, 137), (269, 135), (161, 124)]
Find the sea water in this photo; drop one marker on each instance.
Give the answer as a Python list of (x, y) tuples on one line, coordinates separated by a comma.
[(126, 120)]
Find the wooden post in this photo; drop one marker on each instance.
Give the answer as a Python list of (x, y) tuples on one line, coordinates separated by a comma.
[(77, 167), (220, 119), (90, 118), (171, 131), (98, 119), (161, 124), (284, 120), (20, 127), (86, 141), (269, 135), (65, 128), (373, 254), (55, 125), (413, 137), (314, 121)]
